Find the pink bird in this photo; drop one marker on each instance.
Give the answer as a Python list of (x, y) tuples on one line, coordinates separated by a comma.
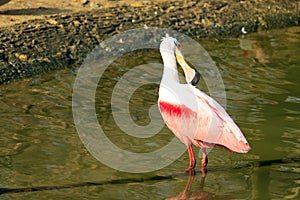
[(194, 117)]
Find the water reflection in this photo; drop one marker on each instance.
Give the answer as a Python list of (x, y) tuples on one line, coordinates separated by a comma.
[(252, 49), (199, 193)]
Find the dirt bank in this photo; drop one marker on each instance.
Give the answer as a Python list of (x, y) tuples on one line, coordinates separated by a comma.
[(63, 39)]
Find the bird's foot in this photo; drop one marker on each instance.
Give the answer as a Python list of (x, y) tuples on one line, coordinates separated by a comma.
[(190, 171)]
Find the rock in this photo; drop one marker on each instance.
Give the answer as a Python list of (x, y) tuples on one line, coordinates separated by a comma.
[(85, 2), (22, 57)]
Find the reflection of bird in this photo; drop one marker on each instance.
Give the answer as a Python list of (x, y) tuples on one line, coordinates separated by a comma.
[(199, 194), (190, 114)]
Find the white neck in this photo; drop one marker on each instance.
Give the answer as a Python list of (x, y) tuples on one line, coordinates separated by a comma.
[(170, 72)]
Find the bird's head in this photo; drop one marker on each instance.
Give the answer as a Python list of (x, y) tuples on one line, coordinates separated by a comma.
[(171, 47), (169, 44)]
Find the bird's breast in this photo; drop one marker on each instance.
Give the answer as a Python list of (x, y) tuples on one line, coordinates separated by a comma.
[(181, 120), (175, 110)]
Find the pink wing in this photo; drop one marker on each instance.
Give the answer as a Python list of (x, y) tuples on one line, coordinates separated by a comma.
[(204, 125), (215, 126)]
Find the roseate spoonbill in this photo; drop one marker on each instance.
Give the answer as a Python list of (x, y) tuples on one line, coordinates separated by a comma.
[(194, 117)]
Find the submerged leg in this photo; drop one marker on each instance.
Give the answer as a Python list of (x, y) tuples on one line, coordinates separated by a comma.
[(192, 159), (204, 162)]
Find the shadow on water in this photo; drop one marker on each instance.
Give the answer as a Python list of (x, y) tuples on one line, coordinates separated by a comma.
[(255, 164)]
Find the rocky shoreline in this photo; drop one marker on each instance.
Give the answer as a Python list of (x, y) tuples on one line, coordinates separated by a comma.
[(63, 40)]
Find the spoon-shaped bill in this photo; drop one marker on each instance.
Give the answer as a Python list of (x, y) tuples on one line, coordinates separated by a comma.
[(191, 76)]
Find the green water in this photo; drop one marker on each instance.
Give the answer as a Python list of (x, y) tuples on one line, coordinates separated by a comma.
[(42, 156)]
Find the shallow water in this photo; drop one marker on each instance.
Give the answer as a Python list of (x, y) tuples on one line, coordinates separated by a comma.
[(42, 156)]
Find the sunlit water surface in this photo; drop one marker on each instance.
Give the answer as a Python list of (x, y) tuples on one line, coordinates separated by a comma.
[(41, 152)]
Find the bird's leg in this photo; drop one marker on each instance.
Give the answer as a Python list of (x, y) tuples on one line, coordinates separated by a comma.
[(192, 159), (204, 162)]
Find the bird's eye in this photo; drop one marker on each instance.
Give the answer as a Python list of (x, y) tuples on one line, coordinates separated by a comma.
[(176, 43)]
